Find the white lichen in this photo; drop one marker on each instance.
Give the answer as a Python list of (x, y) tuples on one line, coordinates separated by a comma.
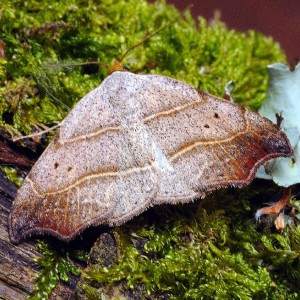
[(283, 98)]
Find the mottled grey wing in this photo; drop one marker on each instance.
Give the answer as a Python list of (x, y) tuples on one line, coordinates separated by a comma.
[(97, 168), (201, 142), (135, 141), (211, 143)]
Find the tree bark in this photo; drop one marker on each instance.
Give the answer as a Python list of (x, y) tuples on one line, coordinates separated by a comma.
[(17, 267)]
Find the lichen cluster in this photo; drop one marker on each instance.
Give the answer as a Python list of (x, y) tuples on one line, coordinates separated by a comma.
[(210, 250)]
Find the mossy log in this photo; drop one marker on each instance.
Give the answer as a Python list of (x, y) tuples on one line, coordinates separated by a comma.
[(17, 267)]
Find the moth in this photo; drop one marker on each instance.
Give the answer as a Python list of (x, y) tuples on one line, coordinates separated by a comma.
[(134, 142)]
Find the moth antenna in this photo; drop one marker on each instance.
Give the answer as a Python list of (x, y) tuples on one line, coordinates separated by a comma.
[(117, 66), (37, 133), (154, 33), (80, 64)]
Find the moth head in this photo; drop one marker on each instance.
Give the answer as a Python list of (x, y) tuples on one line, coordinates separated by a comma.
[(117, 66)]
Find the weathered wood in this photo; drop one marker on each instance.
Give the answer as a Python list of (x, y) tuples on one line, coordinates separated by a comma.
[(12, 156), (17, 267)]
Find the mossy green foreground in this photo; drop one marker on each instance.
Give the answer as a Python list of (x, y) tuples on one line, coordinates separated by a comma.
[(210, 249)]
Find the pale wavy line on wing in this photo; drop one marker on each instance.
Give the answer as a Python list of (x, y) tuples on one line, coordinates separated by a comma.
[(146, 119), (141, 169), (92, 176), (196, 144), (89, 135)]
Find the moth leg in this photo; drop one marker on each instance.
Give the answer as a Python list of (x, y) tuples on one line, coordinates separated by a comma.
[(275, 208)]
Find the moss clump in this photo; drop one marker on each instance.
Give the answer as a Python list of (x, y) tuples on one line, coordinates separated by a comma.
[(12, 175), (37, 35), (56, 265), (192, 252), (199, 251)]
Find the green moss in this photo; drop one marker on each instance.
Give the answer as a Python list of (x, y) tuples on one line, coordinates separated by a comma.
[(12, 175), (37, 35), (56, 265), (197, 251)]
